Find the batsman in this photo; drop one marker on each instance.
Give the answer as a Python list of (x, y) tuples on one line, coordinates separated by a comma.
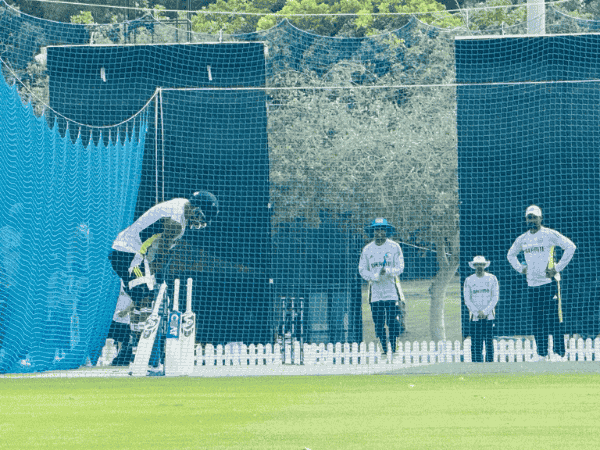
[(141, 251)]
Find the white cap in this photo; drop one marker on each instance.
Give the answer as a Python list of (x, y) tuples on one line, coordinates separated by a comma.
[(535, 210), (479, 260)]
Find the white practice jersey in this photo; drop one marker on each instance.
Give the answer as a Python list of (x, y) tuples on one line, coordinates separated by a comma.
[(481, 294), (536, 248), (129, 239), (372, 259)]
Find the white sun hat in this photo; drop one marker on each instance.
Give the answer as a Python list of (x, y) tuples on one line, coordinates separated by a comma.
[(479, 260)]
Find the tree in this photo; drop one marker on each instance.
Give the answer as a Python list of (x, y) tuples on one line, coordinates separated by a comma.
[(374, 151), (354, 18), (496, 18), (229, 23)]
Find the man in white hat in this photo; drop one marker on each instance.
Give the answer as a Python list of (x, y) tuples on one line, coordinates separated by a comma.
[(481, 295), (381, 261), (537, 245)]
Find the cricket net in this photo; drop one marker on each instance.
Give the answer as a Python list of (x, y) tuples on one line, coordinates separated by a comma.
[(304, 140)]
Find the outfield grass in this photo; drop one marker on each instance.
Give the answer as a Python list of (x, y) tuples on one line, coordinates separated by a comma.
[(417, 312), (343, 412)]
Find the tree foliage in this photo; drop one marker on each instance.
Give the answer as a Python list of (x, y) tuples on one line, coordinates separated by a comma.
[(371, 150), (325, 18)]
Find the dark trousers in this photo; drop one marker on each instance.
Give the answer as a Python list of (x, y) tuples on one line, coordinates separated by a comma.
[(120, 262), (482, 331), (545, 318), (121, 332), (141, 297), (387, 312)]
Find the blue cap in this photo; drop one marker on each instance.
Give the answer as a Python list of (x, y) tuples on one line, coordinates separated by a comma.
[(380, 222)]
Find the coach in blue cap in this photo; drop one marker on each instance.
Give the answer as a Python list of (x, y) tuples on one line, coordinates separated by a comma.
[(381, 262)]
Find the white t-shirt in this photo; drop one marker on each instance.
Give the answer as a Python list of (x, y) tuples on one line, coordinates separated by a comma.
[(129, 239), (481, 294), (372, 259), (536, 248)]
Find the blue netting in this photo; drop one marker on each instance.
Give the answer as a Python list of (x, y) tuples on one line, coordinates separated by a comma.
[(61, 207)]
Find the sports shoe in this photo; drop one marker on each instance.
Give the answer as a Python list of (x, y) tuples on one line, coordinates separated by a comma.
[(158, 371), (57, 356)]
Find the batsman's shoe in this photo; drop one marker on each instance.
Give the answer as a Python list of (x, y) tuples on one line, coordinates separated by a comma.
[(157, 371)]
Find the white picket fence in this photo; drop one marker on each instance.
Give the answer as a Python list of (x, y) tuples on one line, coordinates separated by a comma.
[(236, 357), (523, 349)]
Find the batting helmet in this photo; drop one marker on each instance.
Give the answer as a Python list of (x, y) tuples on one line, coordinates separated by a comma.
[(207, 203)]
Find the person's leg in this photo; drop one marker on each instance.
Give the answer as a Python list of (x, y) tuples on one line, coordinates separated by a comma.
[(393, 322), (539, 320), (556, 328), (121, 335), (488, 337), (476, 342), (378, 313)]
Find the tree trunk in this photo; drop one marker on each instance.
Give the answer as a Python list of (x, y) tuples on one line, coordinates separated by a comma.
[(448, 264)]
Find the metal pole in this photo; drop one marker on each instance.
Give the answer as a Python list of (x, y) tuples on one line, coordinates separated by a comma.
[(189, 20), (536, 17)]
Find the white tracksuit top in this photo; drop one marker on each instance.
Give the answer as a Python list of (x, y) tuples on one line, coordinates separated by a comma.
[(372, 259), (129, 239), (536, 248), (481, 294)]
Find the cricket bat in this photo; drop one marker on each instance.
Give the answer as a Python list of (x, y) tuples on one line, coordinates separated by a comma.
[(557, 278), (139, 367), (188, 335), (75, 335), (173, 346)]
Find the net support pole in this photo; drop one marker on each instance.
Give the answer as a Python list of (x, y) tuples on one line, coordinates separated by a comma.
[(536, 17)]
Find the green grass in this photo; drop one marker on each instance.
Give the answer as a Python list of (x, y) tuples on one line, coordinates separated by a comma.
[(417, 312), (343, 412)]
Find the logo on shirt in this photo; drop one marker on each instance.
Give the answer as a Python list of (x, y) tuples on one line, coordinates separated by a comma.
[(481, 291), (539, 249)]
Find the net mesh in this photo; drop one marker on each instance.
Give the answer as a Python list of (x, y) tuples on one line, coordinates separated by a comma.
[(304, 139)]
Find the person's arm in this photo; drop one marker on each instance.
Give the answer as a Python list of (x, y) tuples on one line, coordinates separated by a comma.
[(363, 269), (397, 266), (569, 250), (161, 248), (495, 295), (468, 298), (171, 230), (515, 249), (134, 240)]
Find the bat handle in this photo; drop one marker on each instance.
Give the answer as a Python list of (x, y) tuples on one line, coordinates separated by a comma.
[(159, 297), (190, 281), (176, 295)]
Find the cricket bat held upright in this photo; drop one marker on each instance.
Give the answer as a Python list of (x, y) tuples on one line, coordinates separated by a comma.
[(139, 367), (557, 278), (188, 335)]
